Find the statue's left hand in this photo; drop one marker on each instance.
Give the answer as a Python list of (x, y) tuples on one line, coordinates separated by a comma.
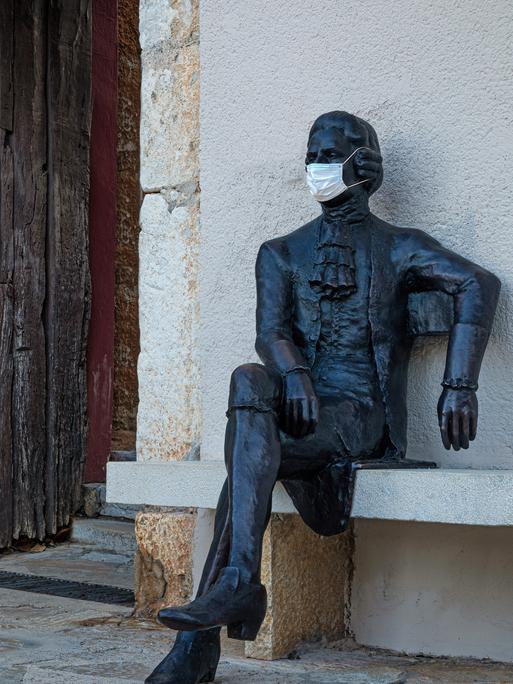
[(457, 417)]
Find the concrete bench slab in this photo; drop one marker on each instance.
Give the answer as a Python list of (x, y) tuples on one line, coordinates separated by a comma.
[(457, 496)]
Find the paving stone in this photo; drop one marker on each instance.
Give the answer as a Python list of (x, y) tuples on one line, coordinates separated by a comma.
[(52, 640), (74, 561)]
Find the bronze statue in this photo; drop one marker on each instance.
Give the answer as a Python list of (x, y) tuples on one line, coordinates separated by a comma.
[(334, 336)]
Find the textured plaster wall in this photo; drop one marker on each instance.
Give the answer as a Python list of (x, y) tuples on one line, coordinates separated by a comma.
[(168, 421), (434, 78), (434, 589)]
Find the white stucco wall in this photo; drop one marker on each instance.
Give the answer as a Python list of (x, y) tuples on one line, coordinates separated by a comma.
[(434, 78), (434, 589)]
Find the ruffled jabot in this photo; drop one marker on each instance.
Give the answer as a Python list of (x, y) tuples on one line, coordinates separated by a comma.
[(333, 272)]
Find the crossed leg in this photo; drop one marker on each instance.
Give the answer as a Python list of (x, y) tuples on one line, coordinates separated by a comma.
[(257, 454)]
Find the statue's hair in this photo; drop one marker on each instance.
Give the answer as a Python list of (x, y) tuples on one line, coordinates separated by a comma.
[(352, 127)]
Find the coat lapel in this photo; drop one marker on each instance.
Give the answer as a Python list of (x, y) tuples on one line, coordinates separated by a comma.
[(381, 311)]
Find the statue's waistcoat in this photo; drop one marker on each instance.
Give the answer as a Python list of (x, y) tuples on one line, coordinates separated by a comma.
[(387, 317)]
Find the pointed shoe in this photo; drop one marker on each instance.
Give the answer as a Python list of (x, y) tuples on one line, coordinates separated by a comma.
[(230, 601), (192, 660)]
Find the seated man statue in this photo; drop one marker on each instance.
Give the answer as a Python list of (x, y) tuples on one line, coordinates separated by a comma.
[(330, 397)]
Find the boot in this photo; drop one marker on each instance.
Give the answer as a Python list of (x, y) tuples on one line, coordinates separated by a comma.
[(193, 659), (239, 605)]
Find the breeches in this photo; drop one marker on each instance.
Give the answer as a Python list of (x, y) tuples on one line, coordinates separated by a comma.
[(317, 470)]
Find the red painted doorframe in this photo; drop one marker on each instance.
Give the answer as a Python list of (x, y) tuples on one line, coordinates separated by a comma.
[(102, 237)]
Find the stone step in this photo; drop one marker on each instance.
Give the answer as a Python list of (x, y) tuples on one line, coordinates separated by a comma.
[(94, 504), (117, 536)]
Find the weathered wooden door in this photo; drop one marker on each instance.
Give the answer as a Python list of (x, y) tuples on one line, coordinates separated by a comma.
[(45, 57)]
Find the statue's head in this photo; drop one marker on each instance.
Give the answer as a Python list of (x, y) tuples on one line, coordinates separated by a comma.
[(349, 145)]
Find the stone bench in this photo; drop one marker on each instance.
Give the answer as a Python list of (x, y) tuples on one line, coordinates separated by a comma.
[(307, 576), (458, 496)]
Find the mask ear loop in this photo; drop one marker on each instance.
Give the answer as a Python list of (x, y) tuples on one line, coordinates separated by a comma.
[(365, 180), (363, 147)]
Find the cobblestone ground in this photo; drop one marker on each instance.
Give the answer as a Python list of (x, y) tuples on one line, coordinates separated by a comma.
[(51, 640)]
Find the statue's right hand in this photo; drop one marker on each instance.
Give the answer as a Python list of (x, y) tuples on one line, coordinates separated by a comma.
[(369, 166), (300, 411)]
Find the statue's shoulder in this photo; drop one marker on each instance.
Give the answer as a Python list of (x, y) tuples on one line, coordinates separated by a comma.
[(401, 235), (294, 242)]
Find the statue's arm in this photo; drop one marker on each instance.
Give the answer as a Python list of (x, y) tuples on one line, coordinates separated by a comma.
[(274, 343), (475, 292), (276, 347)]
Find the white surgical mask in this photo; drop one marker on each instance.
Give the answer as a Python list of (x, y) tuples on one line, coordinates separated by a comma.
[(326, 181)]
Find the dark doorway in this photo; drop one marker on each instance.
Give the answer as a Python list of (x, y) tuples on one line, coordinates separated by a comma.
[(114, 234)]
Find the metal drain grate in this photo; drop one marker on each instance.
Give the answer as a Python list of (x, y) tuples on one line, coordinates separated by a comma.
[(68, 589)]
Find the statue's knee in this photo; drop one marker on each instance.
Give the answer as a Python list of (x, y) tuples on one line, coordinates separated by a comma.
[(254, 386)]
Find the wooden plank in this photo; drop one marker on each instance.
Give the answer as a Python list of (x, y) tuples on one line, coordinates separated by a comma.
[(67, 268), (6, 267), (6, 329), (28, 143), (6, 63)]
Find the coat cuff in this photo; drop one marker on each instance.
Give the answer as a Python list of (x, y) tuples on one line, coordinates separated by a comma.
[(467, 345), (286, 357)]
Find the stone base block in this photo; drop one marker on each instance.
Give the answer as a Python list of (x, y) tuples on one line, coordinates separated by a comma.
[(307, 579), (164, 559), (306, 576)]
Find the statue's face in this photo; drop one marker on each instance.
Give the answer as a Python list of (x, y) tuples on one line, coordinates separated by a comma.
[(329, 146), (332, 146)]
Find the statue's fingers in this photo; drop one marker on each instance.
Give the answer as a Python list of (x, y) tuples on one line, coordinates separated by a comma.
[(295, 416), (303, 417), (473, 425), (289, 417), (454, 430), (369, 171), (368, 154), (464, 430), (368, 165), (312, 416), (314, 406), (444, 429), (285, 416)]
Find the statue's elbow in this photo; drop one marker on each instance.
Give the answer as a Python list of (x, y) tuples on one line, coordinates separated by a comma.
[(495, 284), (491, 286)]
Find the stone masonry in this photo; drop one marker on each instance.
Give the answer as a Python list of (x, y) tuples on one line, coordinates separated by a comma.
[(168, 423)]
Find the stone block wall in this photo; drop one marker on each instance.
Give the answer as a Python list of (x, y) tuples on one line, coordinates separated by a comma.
[(126, 334), (168, 423), (163, 564)]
